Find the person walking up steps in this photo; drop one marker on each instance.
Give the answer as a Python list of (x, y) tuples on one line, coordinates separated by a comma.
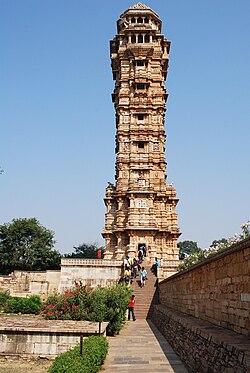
[(143, 276), (131, 308)]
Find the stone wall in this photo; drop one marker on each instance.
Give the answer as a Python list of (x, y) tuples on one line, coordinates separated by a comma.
[(216, 290), (90, 271), (202, 346), (25, 283), (93, 272), (26, 337)]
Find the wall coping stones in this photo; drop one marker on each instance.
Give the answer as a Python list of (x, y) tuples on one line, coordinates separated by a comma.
[(91, 262), (39, 325), (244, 244), (36, 337)]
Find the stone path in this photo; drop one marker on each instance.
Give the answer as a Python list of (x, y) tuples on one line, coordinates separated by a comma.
[(140, 347)]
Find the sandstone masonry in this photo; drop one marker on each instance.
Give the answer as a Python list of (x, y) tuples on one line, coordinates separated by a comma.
[(216, 290), (140, 206)]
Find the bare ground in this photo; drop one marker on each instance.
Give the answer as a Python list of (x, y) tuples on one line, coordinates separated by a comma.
[(24, 366)]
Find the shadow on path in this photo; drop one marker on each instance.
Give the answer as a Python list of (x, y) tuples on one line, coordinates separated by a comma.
[(175, 362)]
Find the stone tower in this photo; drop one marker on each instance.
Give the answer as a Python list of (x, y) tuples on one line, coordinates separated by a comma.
[(140, 206)]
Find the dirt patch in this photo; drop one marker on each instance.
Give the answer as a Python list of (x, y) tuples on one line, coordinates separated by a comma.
[(24, 366)]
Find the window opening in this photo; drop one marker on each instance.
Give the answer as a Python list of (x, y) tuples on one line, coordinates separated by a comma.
[(140, 116), (141, 182), (133, 20), (146, 20), (140, 38), (140, 20), (140, 63), (142, 203), (141, 145), (146, 38), (140, 85), (133, 39)]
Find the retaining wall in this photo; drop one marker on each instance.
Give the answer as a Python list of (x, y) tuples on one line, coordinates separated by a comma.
[(25, 337), (216, 290), (202, 346)]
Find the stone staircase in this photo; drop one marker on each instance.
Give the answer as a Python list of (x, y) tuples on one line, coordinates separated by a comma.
[(145, 296)]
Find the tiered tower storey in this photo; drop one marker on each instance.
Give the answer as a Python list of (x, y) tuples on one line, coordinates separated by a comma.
[(140, 206)]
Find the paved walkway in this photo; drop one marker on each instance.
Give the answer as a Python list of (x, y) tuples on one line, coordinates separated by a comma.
[(140, 347)]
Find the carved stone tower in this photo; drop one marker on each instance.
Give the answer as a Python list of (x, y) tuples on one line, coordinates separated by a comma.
[(140, 206)]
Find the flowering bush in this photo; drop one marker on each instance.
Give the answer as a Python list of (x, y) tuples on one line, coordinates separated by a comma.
[(92, 304), (73, 304), (215, 247)]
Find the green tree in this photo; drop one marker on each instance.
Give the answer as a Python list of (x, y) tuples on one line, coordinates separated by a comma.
[(222, 243), (86, 251), (26, 245), (187, 248)]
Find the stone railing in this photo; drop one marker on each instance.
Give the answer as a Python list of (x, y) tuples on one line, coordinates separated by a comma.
[(170, 263), (91, 262)]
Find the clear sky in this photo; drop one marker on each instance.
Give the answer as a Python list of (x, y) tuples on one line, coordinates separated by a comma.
[(57, 124)]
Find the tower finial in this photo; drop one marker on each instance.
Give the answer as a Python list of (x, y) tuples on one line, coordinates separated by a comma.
[(139, 6)]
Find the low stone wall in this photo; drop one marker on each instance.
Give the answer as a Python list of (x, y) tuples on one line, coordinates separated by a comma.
[(216, 290), (24, 337), (25, 283), (93, 272), (202, 346)]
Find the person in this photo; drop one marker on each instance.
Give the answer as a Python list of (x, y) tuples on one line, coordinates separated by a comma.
[(140, 255), (131, 308), (127, 262), (134, 269), (143, 276), (127, 275), (155, 266)]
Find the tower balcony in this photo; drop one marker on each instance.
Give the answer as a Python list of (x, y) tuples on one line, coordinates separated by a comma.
[(141, 224), (137, 187)]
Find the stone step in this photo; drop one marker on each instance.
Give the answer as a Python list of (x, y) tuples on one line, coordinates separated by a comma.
[(144, 296)]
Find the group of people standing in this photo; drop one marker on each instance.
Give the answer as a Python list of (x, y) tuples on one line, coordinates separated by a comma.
[(133, 268)]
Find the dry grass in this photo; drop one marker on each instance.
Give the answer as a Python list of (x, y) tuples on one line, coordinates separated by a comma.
[(24, 366)]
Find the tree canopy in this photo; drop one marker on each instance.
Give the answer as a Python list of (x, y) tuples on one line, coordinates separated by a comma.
[(26, 245), (86, 251), (187, 248), (223, 242)]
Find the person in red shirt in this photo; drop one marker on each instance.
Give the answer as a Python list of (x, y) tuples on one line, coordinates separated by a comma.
[(131, 308)]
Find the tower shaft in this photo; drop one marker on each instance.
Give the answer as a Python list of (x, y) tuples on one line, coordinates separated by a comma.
[(140, 206)]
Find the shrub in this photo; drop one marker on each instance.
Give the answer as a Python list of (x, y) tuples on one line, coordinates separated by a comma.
[(117, 305), (86, 303), (95, 349), (31, 304), (4, 296), (73, 304)]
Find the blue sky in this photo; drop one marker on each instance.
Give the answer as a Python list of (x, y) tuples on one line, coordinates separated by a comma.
[(57, 124)]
